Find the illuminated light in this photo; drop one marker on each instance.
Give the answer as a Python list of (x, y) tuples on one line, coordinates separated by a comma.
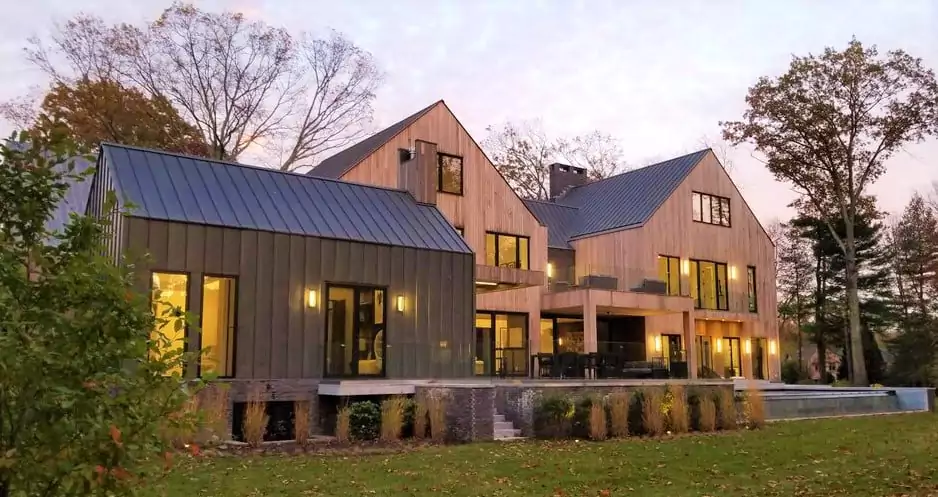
[(400, 303), (719, 345), (772, 347), (732, 272), (658, 343), (685, 267), (747, 346), (550, 269), (311, 299)]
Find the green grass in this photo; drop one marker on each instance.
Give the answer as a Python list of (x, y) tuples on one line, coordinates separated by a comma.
[(888, 455)]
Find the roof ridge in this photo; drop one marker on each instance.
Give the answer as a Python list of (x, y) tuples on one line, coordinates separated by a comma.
[(550, 202), (249, 166), (624, 173)]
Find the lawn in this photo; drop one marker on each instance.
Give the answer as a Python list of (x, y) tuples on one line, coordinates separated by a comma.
[(887, 455)]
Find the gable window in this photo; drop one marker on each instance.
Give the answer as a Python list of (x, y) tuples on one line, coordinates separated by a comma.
[(449, 174), (708, 285), (669, 271), (507, 250), (711, 209), (219, 295), (751, 282)]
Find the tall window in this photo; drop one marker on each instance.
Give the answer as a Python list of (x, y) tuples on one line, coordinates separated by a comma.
[(751, 282), (507, 251), (711, 209), (170, 300), (669, 271), (449, 174), (708, 285), (219, 295), (501, 344)]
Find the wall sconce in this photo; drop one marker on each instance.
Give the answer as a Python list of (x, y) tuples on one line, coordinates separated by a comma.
[(311, 299), (550, 269), (399, 303), (772, 347), (732, 272), (719, 345), (685, 267), (747, 346), (658, 343)]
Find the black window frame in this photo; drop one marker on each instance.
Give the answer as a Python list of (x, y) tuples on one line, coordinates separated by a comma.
[(716, 280), (721, 201), (234, 328), (356, 306), (493, 370), (439, 173), (751, 289), (680, 284), (518, 239)]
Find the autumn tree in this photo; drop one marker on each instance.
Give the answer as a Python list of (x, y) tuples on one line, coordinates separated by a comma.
[(239, 82), (523, 152), (828, 126), (91, 112)]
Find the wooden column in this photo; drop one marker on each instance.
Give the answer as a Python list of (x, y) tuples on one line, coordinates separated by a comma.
[(590, 336), (690, 338)]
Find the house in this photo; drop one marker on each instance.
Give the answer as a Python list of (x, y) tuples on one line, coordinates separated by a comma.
[(666, 263)]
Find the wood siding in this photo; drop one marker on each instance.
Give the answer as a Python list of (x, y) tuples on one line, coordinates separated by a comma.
[(277, 335)]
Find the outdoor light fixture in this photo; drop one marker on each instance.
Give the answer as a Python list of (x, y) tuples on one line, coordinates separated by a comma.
[(719, 345), (747, 346), (400, 303), (732, 272), (550, 269), (311, 299), (658, 343), (772, 346), (685, 266)]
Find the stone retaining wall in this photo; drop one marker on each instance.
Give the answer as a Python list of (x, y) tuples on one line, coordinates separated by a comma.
[(470, 410)]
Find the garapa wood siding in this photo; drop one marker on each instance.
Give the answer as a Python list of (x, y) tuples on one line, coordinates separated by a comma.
[(277, 335)]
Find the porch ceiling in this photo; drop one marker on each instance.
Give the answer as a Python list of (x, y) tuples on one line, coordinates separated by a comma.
[(612, 302)]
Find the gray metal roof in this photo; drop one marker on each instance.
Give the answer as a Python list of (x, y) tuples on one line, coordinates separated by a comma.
[(560, 221), (174, 187), (622, 201), (340, 163), (76, 197)]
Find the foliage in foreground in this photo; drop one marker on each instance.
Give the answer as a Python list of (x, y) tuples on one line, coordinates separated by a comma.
[(86, 396)]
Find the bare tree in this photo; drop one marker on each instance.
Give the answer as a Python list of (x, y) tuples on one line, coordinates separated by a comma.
[(599, 153), (933, 197), (828, 126), (720, 148)]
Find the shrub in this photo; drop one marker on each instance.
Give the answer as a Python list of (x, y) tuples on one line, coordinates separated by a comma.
[(553, 417), (707, 417), (255, 419), (343, 425), (364, 420), (436, 409), (213, 410), (302, 410), (619, 414), (421, 417), (678, 415), (727, 415), (392, 418), (755, 408), (791, 372), (653, 414), (580, 426), (597, 420)]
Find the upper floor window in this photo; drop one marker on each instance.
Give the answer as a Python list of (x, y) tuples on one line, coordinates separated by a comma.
[(449, 174), (711, 209), (708, 285), (507, 251), (751, 282), (669, 271)]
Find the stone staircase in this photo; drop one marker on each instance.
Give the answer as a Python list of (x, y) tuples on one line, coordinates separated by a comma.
[(505, 430)]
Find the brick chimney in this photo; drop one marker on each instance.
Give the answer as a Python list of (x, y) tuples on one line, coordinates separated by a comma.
[(563, 177)]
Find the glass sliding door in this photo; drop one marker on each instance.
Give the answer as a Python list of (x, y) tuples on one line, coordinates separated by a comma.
[(170, 300), (759, 363), (219, 295), (502, 344), (704, 356), (484, 365), (732, 359), (355, 331)]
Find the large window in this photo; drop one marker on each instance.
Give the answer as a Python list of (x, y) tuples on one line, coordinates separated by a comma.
[(711, 209), (449, 174), (751, 282), (219, 295), (355, 331), (708, 285), (669, 271), (732, 358), (501, 344), (507, 251), (170, 300)]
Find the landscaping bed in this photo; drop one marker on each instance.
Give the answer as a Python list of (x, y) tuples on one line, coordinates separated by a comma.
[(877, 455)]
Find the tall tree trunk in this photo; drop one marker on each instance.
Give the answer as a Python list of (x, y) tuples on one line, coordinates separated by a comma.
[(800, 335), (857, 357), (820, 293)]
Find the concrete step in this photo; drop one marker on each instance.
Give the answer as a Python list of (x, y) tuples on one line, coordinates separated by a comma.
[(499, 418), (507, 433), (504, 425)]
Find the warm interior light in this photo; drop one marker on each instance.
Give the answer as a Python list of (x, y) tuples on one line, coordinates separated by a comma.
[(658, 343), (719, 345), (400, 303), (747, 346), (311, 299), (550, 269), (685, 266), (772, 347)]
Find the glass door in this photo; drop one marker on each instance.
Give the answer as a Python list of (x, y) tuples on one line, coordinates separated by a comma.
[(501, 344), (355, 331), (732, 359), (704, 357), (759, 364)]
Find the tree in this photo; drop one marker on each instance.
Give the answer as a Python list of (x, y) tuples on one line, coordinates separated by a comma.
[(240, 83), (84, 390), (828, 126), (522, 153), (91, 112), (795, 273)]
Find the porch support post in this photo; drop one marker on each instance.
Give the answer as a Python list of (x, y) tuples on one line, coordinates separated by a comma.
[(690, 338), (748, 329), (590, 336)]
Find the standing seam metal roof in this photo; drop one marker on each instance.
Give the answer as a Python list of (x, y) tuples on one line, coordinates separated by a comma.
[(173, 187)]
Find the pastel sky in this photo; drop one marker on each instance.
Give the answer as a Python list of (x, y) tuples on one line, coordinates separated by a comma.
[(659, 75)]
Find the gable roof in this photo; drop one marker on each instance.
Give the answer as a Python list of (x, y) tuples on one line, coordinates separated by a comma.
[(76, 197), (622, 201), (181, 188), (342, 162)]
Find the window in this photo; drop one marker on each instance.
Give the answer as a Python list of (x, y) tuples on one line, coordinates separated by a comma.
[(219, 295), (751, 282), (355, 331), (501, 344), (170, 301), (708, 285), (449, 174), (710, 209), (669, 271), (507, 251)]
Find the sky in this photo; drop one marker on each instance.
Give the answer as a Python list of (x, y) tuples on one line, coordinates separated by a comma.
[(658, 75)]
